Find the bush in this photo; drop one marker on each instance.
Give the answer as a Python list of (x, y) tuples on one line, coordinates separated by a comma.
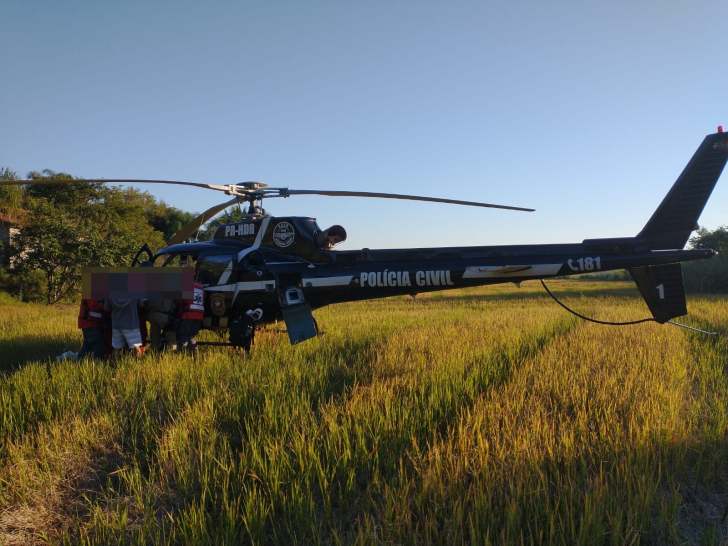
[(28, 285), (707, 276)]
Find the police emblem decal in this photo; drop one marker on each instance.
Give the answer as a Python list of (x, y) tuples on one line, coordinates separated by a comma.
[(217, 304), (283, 234)]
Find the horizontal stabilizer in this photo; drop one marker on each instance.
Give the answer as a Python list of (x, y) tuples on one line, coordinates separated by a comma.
[(662, 288)]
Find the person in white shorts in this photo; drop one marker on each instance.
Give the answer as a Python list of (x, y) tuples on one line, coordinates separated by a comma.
[(125, 325)]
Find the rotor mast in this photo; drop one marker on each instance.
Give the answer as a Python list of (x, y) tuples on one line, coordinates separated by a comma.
[(252, 193)]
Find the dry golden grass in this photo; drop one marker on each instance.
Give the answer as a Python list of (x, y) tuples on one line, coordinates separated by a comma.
[(482, 416)]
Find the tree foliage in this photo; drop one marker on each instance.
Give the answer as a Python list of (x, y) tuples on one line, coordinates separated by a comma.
[(232, 215), (717, 240), (66, 227), (11, 197), (168, 220), (708, 276)]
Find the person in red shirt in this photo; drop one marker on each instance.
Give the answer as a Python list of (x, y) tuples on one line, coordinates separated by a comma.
[(91, 321), (191, 313)]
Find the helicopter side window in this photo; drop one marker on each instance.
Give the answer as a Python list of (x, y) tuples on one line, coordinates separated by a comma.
[(256, 258), (218, 269)]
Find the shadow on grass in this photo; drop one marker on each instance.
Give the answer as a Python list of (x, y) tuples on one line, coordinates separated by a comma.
[(16, 352)]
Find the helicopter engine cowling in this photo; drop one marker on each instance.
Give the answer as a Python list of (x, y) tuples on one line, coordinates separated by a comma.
[(331, 237)]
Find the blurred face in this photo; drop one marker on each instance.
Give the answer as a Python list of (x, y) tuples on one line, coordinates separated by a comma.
[(332, 240)]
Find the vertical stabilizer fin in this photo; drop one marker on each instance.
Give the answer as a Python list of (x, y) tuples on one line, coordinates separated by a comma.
[(676, 217), (662, 288)]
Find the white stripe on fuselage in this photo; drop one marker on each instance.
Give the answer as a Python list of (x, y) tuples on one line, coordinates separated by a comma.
[(328, 281), (256, 243), (269, 285), (226, 274), (246, 251), (248, 286)]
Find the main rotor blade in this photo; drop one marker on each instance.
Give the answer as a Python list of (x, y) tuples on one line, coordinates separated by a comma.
[(195, 224), (249, 195), (398, 196), (109, 180)]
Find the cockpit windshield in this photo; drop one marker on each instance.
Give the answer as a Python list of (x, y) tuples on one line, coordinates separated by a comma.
[(176, 259)]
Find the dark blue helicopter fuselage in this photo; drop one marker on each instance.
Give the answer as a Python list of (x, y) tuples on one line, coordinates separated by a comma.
[(286, 266), (252, 268)]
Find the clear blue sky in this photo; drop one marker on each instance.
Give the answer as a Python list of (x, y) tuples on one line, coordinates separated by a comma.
[(585, 110)]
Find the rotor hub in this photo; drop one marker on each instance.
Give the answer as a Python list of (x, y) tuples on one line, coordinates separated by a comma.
[(252, 186)]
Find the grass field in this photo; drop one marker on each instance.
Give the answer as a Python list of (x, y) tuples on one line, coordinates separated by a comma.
[(486, 416)]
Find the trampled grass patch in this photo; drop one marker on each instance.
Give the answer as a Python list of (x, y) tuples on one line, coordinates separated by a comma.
[(484, 416)]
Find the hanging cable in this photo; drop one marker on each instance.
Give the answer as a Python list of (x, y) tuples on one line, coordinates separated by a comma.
[(622, 323), (591, 319)]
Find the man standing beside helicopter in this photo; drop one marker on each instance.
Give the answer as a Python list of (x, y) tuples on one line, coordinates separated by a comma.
[(91, 323), (242, 329), (125, 325), (191, 313), (161, 316)]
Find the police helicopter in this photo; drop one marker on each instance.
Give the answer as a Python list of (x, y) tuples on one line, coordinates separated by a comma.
[(285, 267)]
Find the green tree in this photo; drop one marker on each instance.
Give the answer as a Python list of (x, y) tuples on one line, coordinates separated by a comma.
[(708, 276), (11, 197), (717, 239), (69, 226), (168, 220)]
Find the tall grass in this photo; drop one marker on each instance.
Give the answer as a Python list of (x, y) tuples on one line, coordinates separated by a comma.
[(480, 416)]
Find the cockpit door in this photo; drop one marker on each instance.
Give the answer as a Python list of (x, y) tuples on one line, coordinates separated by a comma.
[(138, 258), (300, 323)]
